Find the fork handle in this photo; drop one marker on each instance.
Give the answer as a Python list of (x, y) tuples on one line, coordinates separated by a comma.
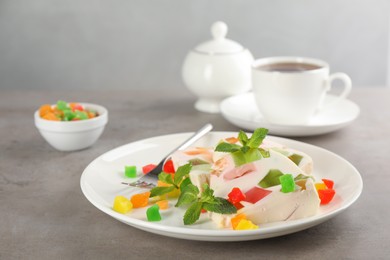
[(198, 134)]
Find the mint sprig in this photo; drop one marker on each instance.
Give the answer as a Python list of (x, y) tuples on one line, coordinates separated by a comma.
[(206, 200), (179, 181), (249, 150)]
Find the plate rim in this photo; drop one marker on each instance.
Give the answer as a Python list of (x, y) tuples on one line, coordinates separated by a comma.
[(223, 234)]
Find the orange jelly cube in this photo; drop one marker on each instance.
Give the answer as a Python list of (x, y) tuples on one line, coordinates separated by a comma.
[(236, 219), (45, 109), (58, 112), (91, 115), (51, 116), (140, 200), (162, 204)]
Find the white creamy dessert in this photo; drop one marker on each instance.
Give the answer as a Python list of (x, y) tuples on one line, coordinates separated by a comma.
[(258, 179)]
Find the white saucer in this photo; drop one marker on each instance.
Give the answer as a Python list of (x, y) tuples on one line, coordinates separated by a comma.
[(242, 111)]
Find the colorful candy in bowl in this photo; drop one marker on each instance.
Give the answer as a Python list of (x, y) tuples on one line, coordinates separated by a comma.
[(71, 126)]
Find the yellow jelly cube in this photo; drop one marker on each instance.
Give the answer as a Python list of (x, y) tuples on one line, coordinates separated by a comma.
[(320, 186), (245, 224), (236, 219), (122, 204)]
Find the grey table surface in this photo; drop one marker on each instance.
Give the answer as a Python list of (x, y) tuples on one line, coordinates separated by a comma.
[(44, 214)]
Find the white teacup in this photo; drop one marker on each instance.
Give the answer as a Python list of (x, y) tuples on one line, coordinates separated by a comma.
[(290, 90)]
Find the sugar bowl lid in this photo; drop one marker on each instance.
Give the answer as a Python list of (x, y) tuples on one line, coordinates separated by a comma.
[(219, 44)]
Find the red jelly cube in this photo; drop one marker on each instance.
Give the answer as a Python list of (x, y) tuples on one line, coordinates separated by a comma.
[(326, 195), (236, 196), (168, 167), (329, 183), (148, 168), (255, 194)]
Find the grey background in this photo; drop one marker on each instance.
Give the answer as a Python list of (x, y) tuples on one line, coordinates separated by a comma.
[(96, 44)]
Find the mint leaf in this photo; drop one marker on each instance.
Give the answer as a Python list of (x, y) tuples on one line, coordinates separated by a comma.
[(207, 201), (249, 151), (158, 191), (227, 148), (165, 177), (243, 138), (245, 149), (207, 194), (252, 155), (220, 205), (257, 137), (188, 195), (184, 183), (193, 213), (181, 173), (239, 158)]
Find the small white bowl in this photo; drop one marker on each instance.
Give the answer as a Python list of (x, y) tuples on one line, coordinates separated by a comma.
[(73, 135)]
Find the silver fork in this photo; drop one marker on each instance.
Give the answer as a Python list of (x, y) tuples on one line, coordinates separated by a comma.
[(149, 180)]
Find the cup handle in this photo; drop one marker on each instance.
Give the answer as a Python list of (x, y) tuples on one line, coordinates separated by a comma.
[(347, 86)]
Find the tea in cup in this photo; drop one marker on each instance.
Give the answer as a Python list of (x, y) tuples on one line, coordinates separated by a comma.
[(290, 90)]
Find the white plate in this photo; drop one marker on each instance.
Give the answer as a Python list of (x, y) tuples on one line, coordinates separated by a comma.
[(241, 111), (101, 182)]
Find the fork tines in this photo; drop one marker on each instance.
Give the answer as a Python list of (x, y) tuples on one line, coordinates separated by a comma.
[(140, 184)]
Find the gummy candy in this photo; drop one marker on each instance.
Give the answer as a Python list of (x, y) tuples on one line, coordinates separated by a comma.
[(326, 195), (131, 171), (296, 158), (63, 111), (162, 204), (287, 182), (271, 179), (245, 224), (320, 186), (153, 213), (45, 109), (148, 168), (236, 196), (325, 191), (122, 204), (329, 183), (168, 167), (140, 200), (255, 194), (236, 219)]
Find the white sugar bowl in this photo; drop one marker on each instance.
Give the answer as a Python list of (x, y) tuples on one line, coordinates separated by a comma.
[(217, 69)]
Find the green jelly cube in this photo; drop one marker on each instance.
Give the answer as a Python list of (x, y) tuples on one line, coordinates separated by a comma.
[(62, 105), (153, 213), (296, 158), (81, 115), (271, 179), (131, 171), (68, 115), (287, 182)]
